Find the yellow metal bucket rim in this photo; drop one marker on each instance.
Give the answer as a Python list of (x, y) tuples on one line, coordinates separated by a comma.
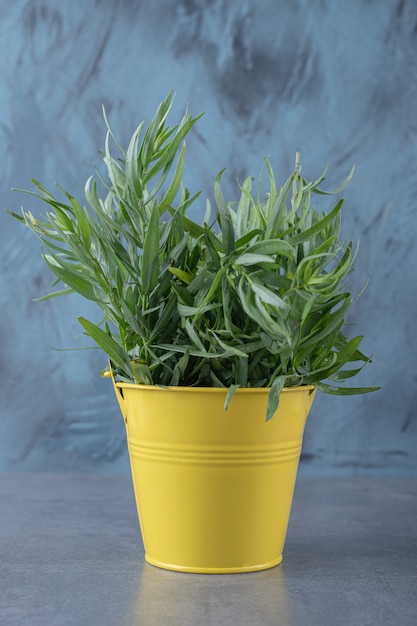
[(213, 390)]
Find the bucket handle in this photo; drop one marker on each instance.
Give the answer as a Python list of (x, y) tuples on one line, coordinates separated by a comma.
[(119, 395)]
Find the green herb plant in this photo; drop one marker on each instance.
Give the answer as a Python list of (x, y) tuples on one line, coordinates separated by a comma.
[(254, 296)]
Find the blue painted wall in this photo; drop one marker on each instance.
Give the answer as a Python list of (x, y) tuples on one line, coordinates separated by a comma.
[(334, 79)]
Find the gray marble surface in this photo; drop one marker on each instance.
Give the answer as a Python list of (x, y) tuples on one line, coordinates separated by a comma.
[(71, 554)]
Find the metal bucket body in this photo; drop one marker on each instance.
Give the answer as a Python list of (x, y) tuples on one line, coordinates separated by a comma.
[(213, 488)]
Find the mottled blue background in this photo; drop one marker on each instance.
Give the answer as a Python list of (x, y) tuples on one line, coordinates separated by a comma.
[(334, 79)]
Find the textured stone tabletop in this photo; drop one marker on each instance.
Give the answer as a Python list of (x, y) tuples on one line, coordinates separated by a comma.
[(71, 554)]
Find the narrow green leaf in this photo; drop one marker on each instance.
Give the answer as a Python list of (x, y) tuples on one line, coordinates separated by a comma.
[(193, 335), (108, 345), (269, 323), (176, 181), (335, 191), (247, 258), (345, 374), (214, 286), (274, 396), (167, 320), (268, 296), (248, 237), (277, 218), (232, 349), (184, 276), (184, 296), (150, 255), (225, 219), (242, 372), (18, 217), (180, 369), (155, 127), (272, 196), (243, 210), (169, 153), (71, 278), (318, 227), (344, 391), (133, 165), (230, 393), (141, 373), (247, 301), (342, 341), (55, 294), (272, 246), (190, 311), (193, 228), (106, 121), (112, 166), (327, 324), (82, 223)]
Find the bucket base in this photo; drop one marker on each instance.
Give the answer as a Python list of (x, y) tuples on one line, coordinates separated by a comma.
[(214, 570)]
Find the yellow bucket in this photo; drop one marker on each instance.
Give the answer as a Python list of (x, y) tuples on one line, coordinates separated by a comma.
[(213, 488)]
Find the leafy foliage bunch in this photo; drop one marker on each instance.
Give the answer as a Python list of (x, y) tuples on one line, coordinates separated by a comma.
[(254, 296)]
